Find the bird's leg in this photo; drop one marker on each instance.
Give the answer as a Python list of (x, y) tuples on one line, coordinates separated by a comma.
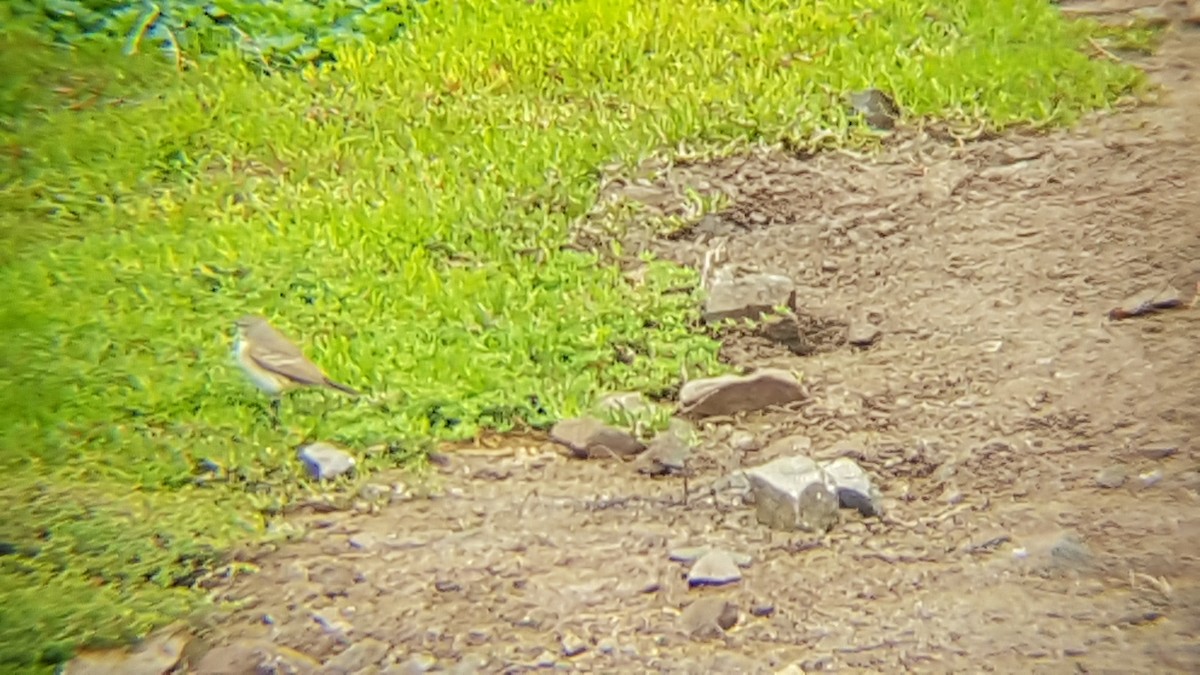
[(275, 403)]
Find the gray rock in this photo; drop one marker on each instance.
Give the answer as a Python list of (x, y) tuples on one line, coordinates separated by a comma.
[(732, 394), (590, 438), (750, 296), (325, 461), (853, 486), (791, 494), (709, 617), (714, 568), (687, 554), (1111, 477), (667, 454), (358, 657)]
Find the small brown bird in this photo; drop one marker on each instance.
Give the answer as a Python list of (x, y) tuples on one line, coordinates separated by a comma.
[(274, 364)]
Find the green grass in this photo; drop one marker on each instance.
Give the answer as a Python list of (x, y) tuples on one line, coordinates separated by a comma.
[(402, 214)]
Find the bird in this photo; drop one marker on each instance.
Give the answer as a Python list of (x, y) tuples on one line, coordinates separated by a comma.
[(275, 364)]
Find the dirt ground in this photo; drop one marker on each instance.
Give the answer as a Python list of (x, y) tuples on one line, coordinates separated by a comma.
[(996, 412)]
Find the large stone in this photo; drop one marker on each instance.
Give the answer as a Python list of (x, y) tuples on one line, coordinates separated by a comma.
[(792, 494), (360, 656), (325, 461), (590, 438), (745, 297), (732, 394)]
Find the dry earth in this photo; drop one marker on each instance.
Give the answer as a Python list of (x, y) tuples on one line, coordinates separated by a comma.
[(997, 412)]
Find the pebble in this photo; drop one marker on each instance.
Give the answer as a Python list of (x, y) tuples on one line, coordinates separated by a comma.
[(572, 645)]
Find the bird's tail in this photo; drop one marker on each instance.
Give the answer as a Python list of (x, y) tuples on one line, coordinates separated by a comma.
[(341, 387)]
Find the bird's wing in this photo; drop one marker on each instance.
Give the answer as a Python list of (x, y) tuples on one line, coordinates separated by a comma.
[(293, 366)]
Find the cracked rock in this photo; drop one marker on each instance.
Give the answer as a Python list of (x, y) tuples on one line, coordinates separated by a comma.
[(745, 297), (590, 438), (732, 394)]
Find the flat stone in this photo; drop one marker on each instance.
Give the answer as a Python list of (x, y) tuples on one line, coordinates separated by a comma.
[(357, 657), (709, 617), (732, 394), (325, 461), (853, 486), (748, 296), (714, 568), (791, 494), (590, 438), (158, 653), (572, 645)]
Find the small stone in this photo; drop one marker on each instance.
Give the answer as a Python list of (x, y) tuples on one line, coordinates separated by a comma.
[(791, 669), (547, 659), (853, 485), (745, 297), (325, 461), (790, 494), (743, 441), (1151, 478), (667, 454), (572, 645), (862, 333), (606, 646), (714, 568), (762, 610), (357, 658), (709, 617), (1111, 477), (829, 265), (590, 438), (732, 394)]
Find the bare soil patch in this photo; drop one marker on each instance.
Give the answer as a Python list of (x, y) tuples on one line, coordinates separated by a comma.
[(997, 411)]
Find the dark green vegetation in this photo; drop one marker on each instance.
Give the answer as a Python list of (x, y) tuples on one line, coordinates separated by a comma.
[(400, 209)]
